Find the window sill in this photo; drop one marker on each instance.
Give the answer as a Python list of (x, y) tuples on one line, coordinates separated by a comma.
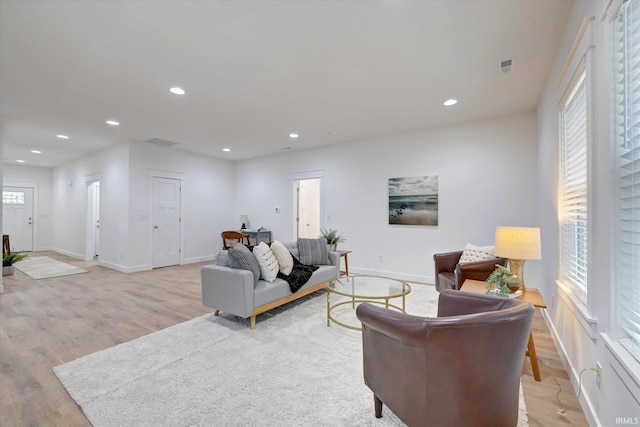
[(577, 307), (627, 368)]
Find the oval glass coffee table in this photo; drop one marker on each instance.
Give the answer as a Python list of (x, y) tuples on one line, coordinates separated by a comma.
[(373, 289)]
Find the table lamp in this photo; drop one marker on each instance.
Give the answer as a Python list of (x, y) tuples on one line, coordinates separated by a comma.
[(244, 220), (518, 244)]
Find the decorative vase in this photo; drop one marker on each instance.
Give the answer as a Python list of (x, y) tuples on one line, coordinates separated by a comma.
[(514, 283), (7, 270), (333, 247)]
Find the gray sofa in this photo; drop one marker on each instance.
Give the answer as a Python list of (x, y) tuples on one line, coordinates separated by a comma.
[(232, 290)]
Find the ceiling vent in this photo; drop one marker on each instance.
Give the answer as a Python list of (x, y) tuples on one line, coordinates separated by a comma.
[(505, 66), (162, 142)]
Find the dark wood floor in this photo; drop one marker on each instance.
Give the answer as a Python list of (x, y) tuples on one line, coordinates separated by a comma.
[(47, 322)]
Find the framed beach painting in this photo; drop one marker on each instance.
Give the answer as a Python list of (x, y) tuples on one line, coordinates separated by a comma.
[(414, 200)]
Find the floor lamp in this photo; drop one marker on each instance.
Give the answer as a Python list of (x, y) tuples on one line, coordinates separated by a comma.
[(518, 244)]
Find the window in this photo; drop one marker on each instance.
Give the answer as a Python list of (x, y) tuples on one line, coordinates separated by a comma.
[(13, 197), (626, 125), (573, 158)]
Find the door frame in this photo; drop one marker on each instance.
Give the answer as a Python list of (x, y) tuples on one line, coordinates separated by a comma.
[(90, 229), (151, 174), (36, 216)]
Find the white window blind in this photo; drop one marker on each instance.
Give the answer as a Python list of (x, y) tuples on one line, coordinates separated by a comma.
[(573, 146), (627, 140)]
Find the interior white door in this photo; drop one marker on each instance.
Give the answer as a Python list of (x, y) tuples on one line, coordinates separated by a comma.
[(166, 222), (93, 221), (308, 215), (17, 217)]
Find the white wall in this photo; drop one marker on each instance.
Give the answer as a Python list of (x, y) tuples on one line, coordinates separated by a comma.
[(206, 201), (620, 376), (486, 176), (40, 179)]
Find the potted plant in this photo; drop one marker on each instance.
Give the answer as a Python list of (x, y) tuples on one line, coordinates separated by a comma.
[(333, 238), (502, 282), (8, 259)]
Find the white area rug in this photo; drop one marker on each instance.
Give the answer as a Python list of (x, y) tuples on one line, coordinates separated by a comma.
[(292, 370), (43, 267)]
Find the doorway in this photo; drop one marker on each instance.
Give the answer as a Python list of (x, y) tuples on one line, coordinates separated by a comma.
[(166, 222), (93, 221), (307, 205), (17, 217)]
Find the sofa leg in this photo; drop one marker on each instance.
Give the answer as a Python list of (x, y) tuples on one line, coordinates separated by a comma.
[(253, 321), (215, 313), (378, 406)]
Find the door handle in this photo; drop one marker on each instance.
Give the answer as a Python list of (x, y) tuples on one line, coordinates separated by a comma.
[(155, 226)]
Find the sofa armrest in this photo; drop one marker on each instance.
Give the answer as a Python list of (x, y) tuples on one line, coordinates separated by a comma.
[(446, 261), (227, 289), (334, 257)]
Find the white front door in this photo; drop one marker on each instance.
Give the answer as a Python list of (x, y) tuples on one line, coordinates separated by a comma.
[(17, 217), (166, 222)]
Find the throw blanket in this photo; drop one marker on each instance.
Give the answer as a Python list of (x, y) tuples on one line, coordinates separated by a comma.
[(299, 275)]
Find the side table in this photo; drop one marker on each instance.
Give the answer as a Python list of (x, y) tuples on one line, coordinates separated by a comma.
[(345, 255), (532, 296)]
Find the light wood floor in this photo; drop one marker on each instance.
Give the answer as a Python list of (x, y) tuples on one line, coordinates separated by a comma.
[(47, 322)]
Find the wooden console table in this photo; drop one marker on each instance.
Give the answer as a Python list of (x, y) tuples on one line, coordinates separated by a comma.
[(257, 235), (533, 296)]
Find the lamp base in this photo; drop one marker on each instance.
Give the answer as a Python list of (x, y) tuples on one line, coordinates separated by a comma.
[(517, 269)]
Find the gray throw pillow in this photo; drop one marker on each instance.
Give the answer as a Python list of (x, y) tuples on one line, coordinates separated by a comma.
[(314, 251), (241, 257)]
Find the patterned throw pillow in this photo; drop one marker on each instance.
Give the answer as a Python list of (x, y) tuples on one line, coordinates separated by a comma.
[(285, 260), (314, 251), (267, 261), (242, 258), (473, 253)]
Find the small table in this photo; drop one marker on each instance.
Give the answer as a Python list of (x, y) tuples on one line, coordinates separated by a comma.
[(373, 289), (344, 254), (257, 235), (533, 296)]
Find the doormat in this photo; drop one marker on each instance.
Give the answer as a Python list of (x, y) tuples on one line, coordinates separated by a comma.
[(43, 267)]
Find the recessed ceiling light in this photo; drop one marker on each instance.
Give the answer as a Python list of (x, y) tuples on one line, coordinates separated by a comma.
[(332, 133), (113, 123), (293, 135), (62, 136), (36, 151), (226, 150), (20, 161), (177, 91), (450, 102)]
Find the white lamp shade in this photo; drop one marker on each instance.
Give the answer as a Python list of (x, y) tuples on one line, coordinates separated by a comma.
[(518, 242), (244, 219)]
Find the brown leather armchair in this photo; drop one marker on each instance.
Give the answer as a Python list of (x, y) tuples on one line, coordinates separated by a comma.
[(450, 274), (461, 368)]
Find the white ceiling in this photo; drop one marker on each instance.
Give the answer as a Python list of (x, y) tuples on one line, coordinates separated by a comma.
[(254, 71)]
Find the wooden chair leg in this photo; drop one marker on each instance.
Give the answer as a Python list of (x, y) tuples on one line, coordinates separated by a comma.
[(531, 352), (378, 406), (253, 321)]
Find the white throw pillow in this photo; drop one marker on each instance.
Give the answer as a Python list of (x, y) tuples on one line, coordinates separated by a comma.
[(267, 261), (285, 260), (473, 253)]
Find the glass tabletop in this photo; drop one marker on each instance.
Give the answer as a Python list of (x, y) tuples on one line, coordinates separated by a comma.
[(370, 287)]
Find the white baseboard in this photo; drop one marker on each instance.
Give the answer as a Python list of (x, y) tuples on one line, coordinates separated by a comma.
[(198, 259), (123, 268), (585, 402), (67, 253)]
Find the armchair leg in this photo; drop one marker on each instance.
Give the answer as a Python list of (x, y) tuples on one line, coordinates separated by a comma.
[(378, 406)]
